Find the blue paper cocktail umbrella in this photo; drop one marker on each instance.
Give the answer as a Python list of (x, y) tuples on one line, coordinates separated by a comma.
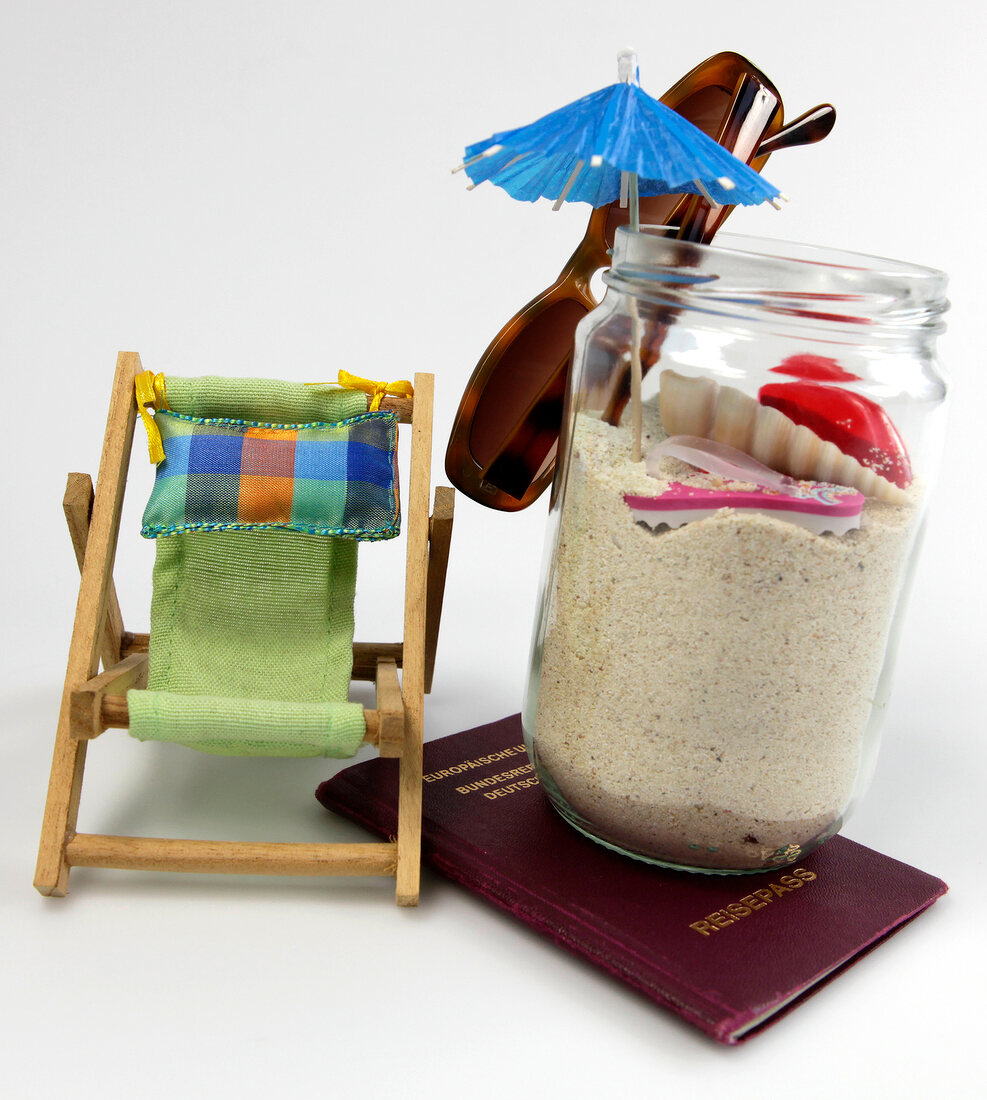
[(614, 143)]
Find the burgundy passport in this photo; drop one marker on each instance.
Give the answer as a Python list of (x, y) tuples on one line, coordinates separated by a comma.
[(727, 953)]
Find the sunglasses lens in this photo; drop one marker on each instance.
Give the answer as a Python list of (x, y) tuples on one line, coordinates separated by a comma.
[(524, 377), (706, 109)]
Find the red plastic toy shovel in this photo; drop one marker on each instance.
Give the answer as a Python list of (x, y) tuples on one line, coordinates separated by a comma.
[(855, 424)]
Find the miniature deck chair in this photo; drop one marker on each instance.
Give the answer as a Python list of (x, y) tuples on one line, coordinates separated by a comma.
[(232, 593)]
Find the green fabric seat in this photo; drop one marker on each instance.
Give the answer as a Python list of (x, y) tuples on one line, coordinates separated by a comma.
[(251, 645)]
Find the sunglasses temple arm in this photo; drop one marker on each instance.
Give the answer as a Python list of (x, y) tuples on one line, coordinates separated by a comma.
[(810, 127), (751, 112)]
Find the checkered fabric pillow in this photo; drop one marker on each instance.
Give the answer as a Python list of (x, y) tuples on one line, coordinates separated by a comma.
[(236, 475)]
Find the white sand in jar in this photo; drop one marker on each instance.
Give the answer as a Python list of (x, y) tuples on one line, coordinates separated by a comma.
[(705, 691)]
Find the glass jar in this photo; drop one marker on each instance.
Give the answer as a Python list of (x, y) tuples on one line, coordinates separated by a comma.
[(710, 664)]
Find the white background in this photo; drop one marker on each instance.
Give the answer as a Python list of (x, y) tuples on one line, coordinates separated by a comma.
[(263, 188)]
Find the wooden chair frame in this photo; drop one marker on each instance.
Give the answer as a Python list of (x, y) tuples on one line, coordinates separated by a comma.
[(94, 701)]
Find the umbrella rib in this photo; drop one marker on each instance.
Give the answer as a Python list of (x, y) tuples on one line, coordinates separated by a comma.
[(557, 205), (705, 193), (503, 168), (467, 163), (492, 151), (512, 162)]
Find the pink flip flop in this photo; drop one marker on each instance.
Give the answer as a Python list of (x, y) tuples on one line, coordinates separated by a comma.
[(816, 506)]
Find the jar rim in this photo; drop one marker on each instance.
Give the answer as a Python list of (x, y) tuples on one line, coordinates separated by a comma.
[(807, 284), (786, 251)]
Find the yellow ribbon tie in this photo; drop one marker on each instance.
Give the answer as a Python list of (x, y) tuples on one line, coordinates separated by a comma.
[(376, 390), (149, 389)]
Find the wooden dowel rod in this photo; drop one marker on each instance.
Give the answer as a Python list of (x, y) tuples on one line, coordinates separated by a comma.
[(367, 654), (401, 407), (135, 853), (115, 715), (87, 701), (372, 719)]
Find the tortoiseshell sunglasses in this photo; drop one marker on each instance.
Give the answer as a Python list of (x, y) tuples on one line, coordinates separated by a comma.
[(504, 439)]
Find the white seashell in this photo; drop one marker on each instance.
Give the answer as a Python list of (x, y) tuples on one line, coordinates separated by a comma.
[(827, 461), (700, 406), (802, 453), (734, 419), (693, 398), (773, 433), (845, 469)]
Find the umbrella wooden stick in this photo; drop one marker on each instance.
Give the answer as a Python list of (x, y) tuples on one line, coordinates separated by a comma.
[(627, 70), (636, 376), (636, 371)]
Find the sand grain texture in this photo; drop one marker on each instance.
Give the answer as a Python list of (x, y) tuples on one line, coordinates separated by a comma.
[(705, 692)]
